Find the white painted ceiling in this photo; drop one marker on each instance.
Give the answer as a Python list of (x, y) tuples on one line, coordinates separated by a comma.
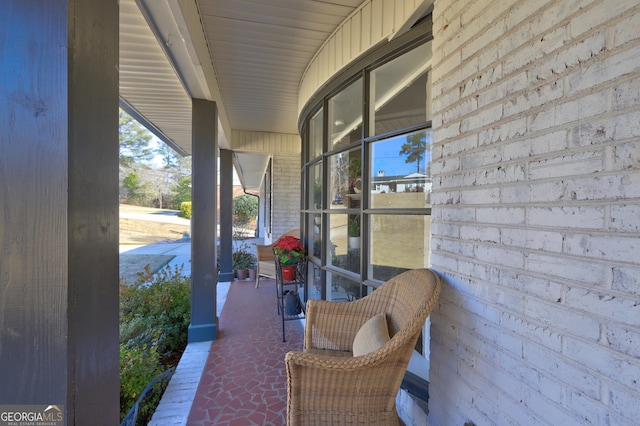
[(260, 49), (247, 55)]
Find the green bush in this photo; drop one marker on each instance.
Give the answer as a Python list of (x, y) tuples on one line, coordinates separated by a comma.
[(245, 208), (182, 190), (185, 209), (138, 366), (155, 314)]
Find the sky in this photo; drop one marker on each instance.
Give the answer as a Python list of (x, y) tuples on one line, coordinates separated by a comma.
[(386, 156)]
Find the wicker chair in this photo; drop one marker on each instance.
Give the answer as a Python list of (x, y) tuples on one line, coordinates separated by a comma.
[(266, 262), (327, 384)]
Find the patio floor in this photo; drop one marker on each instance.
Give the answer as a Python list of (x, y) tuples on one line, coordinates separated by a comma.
[(244, 381)]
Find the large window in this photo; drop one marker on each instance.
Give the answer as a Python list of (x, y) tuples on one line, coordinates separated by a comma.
[(367, 215), (368, 176)]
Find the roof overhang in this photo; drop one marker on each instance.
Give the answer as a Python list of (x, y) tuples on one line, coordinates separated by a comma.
[(251, 168)]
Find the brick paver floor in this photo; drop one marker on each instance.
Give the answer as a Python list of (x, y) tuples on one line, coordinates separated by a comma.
[(244, 381)]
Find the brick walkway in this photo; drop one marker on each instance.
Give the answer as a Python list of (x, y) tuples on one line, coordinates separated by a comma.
[(244, 380)]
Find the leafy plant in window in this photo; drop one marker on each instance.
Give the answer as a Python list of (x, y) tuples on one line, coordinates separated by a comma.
[(355, 170), (353, 226)]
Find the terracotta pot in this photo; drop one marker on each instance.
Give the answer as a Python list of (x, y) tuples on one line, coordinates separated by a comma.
[(252, 273), (241, 274), (289, 272)]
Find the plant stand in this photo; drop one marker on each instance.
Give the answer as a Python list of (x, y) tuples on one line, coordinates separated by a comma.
[(283, 287)]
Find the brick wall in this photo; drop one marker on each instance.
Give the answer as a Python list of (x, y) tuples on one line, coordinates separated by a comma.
[(536, 212), (286, 193)]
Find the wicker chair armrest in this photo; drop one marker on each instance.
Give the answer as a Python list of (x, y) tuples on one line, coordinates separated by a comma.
[(265, 252)]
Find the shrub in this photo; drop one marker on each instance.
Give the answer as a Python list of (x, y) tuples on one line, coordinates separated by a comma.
[(185, 209), (245, 208), (182, 190), (155, 313), (138, 366)]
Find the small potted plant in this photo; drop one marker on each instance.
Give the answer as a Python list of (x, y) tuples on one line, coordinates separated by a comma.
[(289, 252), (253, 268), (353, 230), (241, 260)]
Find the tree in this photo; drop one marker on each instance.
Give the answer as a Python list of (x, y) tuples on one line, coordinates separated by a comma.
[(163, 187), (182, 190), (134, 141), (415, 148), (131, 182), (132, 185), (170, 158), (245, 208)]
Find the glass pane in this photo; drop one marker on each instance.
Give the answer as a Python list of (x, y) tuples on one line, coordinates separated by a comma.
[(315, 187), (315, 135), (345, 179), (398, 243), (342, 289), (315, 242), (399, 91), (401, 171), (345, 116), (344, 251), (314, 278)]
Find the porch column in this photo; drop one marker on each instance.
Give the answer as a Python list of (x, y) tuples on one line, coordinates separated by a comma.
[(59, 209), (204, 274), (226, 215)]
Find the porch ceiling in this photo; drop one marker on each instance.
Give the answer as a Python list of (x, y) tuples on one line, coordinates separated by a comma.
[(247, 55)]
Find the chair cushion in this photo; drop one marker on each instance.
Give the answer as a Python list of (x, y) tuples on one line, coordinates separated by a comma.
[(372, 335)]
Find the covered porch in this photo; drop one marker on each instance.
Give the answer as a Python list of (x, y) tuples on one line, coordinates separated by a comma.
[(531, 215)]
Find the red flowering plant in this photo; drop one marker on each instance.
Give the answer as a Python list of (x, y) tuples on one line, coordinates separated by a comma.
[(289, 250)]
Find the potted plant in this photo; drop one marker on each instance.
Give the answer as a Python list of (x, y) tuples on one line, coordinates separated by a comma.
[(355, 170), (253, 268), (353, 231), (241, 260), (289, 252)]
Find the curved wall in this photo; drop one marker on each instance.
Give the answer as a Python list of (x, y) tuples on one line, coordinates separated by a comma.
[(375, 21)]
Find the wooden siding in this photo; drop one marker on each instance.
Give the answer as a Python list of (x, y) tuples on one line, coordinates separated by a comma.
[(373, 22), (242, 140)]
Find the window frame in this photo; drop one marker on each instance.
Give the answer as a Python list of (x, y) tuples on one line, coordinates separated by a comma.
[(359, 70)]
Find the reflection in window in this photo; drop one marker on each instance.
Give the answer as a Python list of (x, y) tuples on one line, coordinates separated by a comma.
[(316, 235), (315, 186), (398, 92), (342, 289), (345, 116), (344, 250), (315, 135), (344, 179), (314, 278), (401, 171), (398, 243)]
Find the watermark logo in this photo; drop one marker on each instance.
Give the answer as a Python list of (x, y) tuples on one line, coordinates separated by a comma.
[(32, 415)]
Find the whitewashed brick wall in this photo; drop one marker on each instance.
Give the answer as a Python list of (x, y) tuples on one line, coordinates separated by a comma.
[(286, 193), (536, 216)]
